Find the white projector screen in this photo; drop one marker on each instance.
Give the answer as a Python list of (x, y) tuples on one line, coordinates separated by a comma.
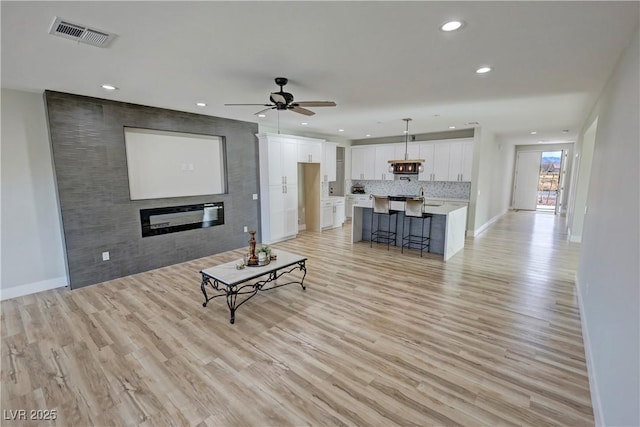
[(172, 164)]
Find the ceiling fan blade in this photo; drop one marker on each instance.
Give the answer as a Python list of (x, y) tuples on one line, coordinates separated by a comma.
[(316, 103), (264, 105), (301, 110), (262, 111)]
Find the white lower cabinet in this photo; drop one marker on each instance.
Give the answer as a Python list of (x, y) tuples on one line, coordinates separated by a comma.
[(327, 214), (339, 214), (356, 200), (348, 208), (333, 214), (283, 214)]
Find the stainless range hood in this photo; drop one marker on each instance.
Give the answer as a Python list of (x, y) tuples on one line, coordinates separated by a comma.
[(406, 166)]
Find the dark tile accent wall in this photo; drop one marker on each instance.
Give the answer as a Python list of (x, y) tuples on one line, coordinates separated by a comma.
[(87, 139)]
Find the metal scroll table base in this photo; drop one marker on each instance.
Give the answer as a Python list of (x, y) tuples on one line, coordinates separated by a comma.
[(231, 291)]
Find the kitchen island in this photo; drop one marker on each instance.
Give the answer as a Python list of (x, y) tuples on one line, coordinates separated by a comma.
[(447, 228)]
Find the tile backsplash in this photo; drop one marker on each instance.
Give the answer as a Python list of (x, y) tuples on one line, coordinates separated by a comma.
[(444, 189)]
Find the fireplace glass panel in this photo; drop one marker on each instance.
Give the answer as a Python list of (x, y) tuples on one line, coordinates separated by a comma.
[(180, 218)]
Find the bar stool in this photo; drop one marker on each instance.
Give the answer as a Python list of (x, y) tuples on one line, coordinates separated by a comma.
[(381, 208), (413, 210)]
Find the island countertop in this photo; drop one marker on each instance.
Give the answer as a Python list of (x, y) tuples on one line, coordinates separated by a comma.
[(441, 209)]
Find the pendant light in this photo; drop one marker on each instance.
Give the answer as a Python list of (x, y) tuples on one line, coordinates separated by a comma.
[(406, 166)]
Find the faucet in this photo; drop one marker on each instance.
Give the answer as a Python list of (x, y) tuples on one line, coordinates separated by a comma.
[(422, 192)]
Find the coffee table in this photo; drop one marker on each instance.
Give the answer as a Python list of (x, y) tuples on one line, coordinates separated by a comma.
[(231, 282)]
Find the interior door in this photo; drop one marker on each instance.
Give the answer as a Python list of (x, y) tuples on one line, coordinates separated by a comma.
[(525, 192)]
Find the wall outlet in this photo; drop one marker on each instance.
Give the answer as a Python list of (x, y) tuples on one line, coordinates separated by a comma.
[(246, 229), (255, 196), (105, 256)]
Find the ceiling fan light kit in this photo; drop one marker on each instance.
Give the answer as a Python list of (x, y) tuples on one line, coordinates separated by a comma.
[(283, 101)]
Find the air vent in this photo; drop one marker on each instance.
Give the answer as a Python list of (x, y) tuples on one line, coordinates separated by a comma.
[(80, 33)]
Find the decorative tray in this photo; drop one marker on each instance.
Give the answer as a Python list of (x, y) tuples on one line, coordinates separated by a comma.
[(260, 264)]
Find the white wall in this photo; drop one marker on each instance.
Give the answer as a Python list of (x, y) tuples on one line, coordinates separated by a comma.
[(32, 252), (581, 176), (608, 273), (491, 180)]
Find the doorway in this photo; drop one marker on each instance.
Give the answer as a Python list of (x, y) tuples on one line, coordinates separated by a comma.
[(309, 196), (549, 181), (538, 182)]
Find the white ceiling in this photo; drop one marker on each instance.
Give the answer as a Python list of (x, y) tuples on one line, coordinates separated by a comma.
[(379, 61)]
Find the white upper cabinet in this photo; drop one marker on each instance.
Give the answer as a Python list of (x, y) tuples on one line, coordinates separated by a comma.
[(309, 152), (426, 153), (460, 161), (383, 153), (329, 164), (282, 156), (444, 160), (467, 161), (441, 154), (362, 162)]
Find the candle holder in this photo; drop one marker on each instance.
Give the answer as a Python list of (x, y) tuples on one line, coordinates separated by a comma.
[(253, 259)]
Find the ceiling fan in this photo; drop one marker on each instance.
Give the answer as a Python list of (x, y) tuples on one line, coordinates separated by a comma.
[(284, 101)]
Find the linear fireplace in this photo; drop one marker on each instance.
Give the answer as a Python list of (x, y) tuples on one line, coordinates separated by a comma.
[(180, 218)]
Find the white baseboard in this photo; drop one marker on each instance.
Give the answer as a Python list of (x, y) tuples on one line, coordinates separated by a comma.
[(32, 288), (596, 403), (483, 227)]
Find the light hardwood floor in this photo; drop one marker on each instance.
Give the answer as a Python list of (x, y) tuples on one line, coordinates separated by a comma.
[(379, 338)]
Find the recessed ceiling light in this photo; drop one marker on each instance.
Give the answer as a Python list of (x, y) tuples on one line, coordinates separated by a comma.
[(108, 87), (304, 123), (452, 127), (201, 104), (452, 25), (483, 70), (262, 116), (340, 130), (368, 135), (533, 132)]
